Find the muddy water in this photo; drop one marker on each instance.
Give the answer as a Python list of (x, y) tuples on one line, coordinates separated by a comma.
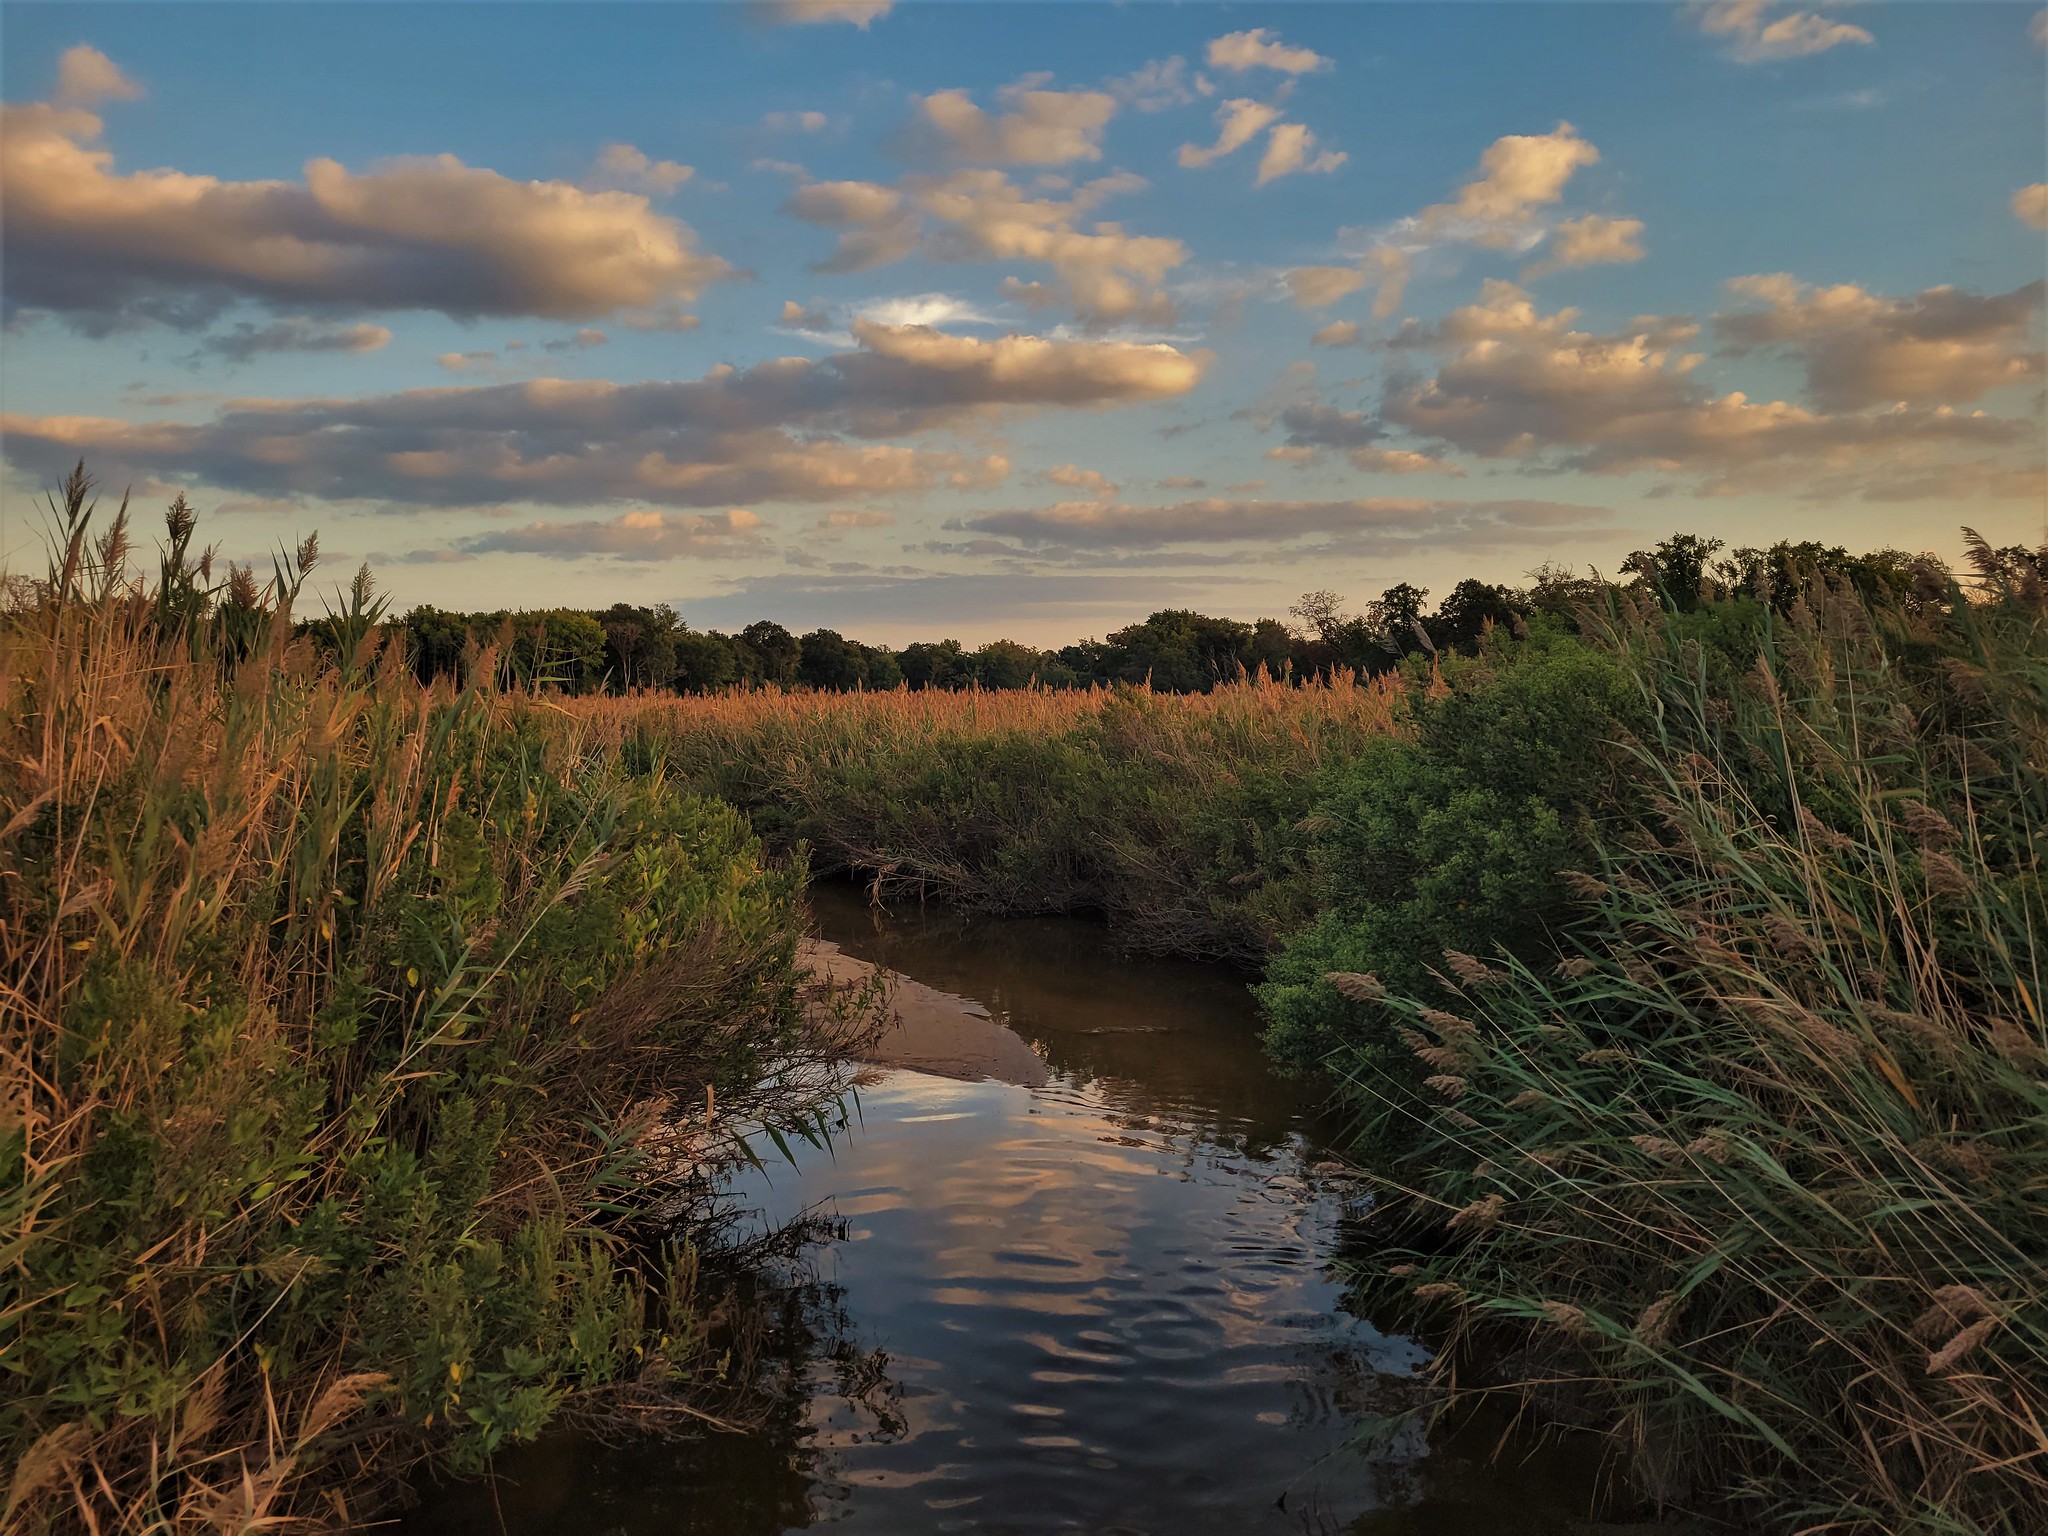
[(1098, 1298)]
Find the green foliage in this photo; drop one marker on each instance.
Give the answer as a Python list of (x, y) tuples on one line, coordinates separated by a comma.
[(1758, 1165), (341, 1012), (1451, 836)]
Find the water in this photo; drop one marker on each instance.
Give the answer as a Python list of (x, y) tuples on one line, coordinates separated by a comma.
[(1103, 1303)]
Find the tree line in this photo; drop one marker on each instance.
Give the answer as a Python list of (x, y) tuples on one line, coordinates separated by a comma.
[(628, 647)]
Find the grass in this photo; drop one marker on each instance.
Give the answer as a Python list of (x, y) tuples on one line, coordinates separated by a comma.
[(1760, 1164), (364, 1048), (1174, 816)]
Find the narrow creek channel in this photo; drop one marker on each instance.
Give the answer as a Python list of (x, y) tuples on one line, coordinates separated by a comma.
[(1097, 1296)]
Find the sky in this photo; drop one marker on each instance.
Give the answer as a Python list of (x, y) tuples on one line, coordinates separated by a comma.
[(1022, 320)]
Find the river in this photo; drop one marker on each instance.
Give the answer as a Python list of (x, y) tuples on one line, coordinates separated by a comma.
[(1096, 1297)]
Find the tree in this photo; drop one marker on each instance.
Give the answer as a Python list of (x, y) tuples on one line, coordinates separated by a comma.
[(769, 653), (706, 662), (1676, 570), (827, 659), (1463, 616)]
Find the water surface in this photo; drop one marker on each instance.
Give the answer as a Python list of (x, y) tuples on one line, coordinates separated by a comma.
[(1104, 1303)]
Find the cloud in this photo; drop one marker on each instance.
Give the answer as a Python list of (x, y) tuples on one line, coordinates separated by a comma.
[(2030, 204), (1338, 333), (1261, 49), (811, 13), (1760, 32), (876, 223), (1238, 122), (2037, 29), (1291, 150), (1074, 478), (1942, 345), (928, 309), (787, 430), (1038, 127), (1370, 524), (107, 249), (1514, 383), (640, 535), (795, 122), (1158, 85), (1319, 287), (587, 337), (1589, 241), (843, 522), (797, 318), (625, 168), (86, 77), (467, 362), (1518, 174), (295, 333)]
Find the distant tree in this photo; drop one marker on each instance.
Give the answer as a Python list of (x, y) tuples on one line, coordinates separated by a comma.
[(706, 662), (934, 664), (1005, 664), (769, 654), (1676, 570), (827, 659), (1272, 648), (1463, 616), (436, 643), (1394, 620)]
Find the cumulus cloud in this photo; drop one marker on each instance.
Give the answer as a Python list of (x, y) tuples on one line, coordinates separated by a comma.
[(86, 77), (787, 430), (625, 168), (1238, 122), (797, 318), (1260, 48), (1589, 241), (1036, 127), (639, 535), (979, 215), (1515, 383), (1518, 174), (2030, 204), (1760, 32), (1338, 333), (295, 333), (811, 13), (1073, 477), (1291, 150), (106, 249), (1942, 345), (1368, 523)]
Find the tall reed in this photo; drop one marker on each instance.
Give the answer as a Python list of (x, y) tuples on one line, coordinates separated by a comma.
[(362, 1048), (1762, 1164)]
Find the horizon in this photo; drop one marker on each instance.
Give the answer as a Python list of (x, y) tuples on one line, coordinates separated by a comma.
[(925, 320)]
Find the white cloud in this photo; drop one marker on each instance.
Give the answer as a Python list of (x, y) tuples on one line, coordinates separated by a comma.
[(107, 249), (1260, 48), (1338, 333), (2030, 204), (1941, 346), (1760, 32), (1238, 122), (628, 169), (1073, 477), (1589, 241), (1158, 85), (1518, 174), (1037, 126), (86, 77), (1320, 287), (1291, 150), (786, 430), (810, 13)]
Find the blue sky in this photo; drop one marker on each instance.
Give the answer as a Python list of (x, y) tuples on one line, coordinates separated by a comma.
[(1004, 319)]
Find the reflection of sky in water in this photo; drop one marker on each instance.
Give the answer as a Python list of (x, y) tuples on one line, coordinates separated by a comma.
[(1099, 1305), (1089, 1324)]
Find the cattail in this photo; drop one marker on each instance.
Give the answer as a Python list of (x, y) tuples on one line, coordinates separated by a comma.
[(1564, 1315), (1944, 876), (1436, 1290), (1952, 1307), (1928, 826), (1402, 1271), (1602, 1056), (1449, 1086), (1469, 968), (1480, 1216), (1528, 1098), (1654, 1326), (1446, 1023), (1359, 986), (1951, 1353)]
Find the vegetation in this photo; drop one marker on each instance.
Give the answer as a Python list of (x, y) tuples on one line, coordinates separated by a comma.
[(1178, 818), (1759, 1152), (363, 1048)]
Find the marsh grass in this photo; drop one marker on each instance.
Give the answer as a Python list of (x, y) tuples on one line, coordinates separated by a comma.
[(1175, 816), (1761, 1165), (365, 1050)]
